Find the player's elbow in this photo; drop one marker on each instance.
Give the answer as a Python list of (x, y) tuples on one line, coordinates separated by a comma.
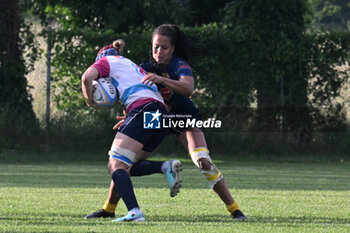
[(187, 85), (188, 92)]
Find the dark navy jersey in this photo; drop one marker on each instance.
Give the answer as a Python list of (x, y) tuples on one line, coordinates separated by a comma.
[(178, 67), (178, 104)]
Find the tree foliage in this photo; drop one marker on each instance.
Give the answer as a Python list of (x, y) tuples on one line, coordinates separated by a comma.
[(265, 68), (334, 14), (261, 46)]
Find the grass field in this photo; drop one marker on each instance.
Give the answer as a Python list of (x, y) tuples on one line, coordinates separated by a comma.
[(41, 195)]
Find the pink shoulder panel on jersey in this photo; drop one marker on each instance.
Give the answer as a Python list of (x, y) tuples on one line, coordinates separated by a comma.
[(102, 66)]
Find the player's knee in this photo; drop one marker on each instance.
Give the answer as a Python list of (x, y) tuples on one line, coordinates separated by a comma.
[(124, 155), (198, 154), (204, 164), (213, 175), (109, 168), (200, 157)]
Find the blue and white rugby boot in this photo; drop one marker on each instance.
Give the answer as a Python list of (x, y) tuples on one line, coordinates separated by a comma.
[(173, 175), (134, 215)]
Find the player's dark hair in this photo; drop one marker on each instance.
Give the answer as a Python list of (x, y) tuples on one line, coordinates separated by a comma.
[(185, 48)]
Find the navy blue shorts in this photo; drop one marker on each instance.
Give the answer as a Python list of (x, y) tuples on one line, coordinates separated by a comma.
[(189, 112), (134, 123)]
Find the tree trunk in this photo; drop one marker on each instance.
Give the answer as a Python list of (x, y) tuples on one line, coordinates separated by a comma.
[(17, 119)]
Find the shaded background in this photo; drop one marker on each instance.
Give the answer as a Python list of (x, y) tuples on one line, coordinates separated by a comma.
[(275, 73)]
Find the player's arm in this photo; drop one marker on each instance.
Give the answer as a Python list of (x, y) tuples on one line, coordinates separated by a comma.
[(86, 85), (184, 86)]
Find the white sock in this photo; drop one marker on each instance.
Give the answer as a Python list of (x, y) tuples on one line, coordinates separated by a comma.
[(165, 166)]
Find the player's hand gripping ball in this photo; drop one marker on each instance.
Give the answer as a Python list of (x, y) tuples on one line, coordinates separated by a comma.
[(104, 93)]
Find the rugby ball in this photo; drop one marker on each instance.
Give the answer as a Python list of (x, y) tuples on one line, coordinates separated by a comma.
[(104, 93)]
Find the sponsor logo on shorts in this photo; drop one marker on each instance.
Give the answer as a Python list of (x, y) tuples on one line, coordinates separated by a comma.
[(157, 120)]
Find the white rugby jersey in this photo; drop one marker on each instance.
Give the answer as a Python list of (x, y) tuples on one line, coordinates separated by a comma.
[(126, 77)]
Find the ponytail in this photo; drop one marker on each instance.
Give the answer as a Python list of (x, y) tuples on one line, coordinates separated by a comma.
[(116, 48), (118, 45)]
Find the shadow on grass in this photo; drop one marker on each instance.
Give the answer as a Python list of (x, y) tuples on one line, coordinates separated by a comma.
[(39, 219), (251, 219)]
